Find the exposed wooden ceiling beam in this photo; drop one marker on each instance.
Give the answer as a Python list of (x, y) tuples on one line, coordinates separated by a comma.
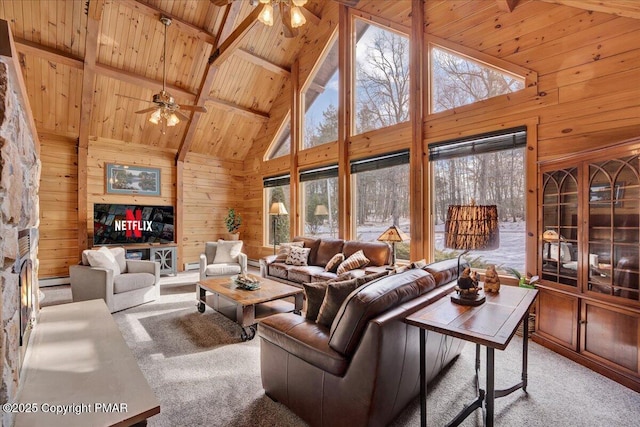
[(230, 106), (54, 55), (262, 62), (220, 3), (179, 23), (219, 55), (136, 79), (350, 3), (507, 5), (626, 8), (270, 66)]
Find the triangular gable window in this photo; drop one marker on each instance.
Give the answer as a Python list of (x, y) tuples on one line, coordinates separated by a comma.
[(458, 80), (281, 145)]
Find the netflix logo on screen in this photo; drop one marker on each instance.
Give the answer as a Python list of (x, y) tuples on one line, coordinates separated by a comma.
[(121, 224)]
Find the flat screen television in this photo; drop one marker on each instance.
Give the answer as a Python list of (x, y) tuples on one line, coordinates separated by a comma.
[(122, 224)]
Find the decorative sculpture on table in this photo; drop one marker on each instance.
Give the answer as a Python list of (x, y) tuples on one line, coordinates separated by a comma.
[(468, 284), (470, 227), (491, 279)]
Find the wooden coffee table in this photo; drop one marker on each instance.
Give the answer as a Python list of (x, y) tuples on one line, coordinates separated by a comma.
[(245, 307)]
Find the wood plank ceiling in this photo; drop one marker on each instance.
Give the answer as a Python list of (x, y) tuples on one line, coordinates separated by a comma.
[(51, 36), (54, 38)]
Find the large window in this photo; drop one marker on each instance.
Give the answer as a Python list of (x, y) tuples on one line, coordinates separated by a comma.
[(489, 169), (276, 190), (382, 77), (458, 80), (381, 197), (320, 201), (321, 102), (282, 143)]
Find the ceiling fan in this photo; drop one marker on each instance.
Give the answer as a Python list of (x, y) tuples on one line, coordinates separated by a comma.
[(166, 111)]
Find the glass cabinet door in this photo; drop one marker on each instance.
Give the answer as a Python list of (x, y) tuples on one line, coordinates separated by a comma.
[(614, 232), (560, 226)]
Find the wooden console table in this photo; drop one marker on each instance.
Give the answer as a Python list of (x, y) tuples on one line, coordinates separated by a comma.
[(78, 362), (491, 324)]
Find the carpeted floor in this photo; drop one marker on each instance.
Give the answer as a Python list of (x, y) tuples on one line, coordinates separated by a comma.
[(204, 375)]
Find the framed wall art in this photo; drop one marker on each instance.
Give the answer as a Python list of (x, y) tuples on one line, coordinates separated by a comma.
[(124, 179)]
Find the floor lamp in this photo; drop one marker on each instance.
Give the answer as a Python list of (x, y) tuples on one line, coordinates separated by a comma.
[(393, 235), (276, 209), (471, 227)]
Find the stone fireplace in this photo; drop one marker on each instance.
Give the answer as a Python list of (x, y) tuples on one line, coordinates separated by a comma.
[(19, 219)]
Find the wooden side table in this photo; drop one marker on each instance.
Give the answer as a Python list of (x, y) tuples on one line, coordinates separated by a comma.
[(491, 324)]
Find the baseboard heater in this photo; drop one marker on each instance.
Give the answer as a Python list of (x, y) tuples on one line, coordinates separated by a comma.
[(54, 281)]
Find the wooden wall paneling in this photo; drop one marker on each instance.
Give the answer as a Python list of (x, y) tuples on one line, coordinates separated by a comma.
[(210, 187), (58, 207), (584, 73), (400, 10), (594, 43), (600, 85), (445, 19), (618, 7), (527, 34)]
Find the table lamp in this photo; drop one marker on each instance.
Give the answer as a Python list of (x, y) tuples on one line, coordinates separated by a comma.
[(393, 235), (471, 227), (276, 209)]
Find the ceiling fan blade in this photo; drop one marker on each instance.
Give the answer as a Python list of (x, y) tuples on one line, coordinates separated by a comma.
[(197, 108), (131, 97), (147, 110)]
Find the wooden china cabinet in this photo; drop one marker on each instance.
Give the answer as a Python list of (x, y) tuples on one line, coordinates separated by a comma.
[(588, 308)]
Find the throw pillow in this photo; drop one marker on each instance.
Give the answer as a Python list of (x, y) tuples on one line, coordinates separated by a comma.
[(334, 296), (121, 259), (314, 294), (356, 260), (284, 249), (298, 256), (334, 263), (103, 258), (227, 251)]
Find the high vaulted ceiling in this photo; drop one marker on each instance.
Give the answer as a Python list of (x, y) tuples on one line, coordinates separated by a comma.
[(77, 56)]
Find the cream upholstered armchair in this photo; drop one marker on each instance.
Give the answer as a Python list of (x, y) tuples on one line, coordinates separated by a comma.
[(222, 258), (121, 283)]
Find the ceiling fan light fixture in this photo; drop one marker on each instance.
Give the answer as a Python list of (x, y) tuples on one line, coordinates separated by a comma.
[(299, 3), (266, 16), (297, 18), (265, 1), (172, 120), (155, 117)]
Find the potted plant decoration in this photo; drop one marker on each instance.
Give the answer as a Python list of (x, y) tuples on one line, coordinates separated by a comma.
[(233, 221)]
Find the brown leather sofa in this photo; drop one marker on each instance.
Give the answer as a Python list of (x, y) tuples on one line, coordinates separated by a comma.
[(322, 250), (364, 369)]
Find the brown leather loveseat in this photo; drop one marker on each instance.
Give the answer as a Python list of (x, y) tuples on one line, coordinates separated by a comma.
[(364, 369), (321, 251)]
